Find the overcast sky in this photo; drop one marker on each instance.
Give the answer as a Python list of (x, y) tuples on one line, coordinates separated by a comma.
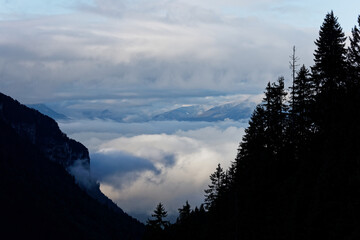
[(113, 49)]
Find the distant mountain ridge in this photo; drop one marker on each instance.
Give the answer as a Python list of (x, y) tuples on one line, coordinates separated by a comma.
[(233, 111), (186, 113), (44, 109), (196, 112)]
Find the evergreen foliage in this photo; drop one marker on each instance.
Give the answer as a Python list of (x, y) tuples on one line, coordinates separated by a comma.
[(297, 173), (215, 188), (159, 216), (354, 51), (155, 228), (303, 91), (275, 115), (330, 56), (184, 213)]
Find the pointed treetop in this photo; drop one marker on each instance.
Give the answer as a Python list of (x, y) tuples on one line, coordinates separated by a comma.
[(354, 50), (159, 214), (330, 55)]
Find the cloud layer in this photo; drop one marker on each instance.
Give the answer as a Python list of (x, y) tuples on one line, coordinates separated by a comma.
[(145, 48), (177, 167), (170, 164)]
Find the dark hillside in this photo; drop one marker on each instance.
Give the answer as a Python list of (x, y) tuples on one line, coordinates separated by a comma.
[(42, 131), (39, 199)]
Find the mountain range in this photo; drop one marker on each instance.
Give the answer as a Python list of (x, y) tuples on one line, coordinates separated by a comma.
[(44, 109), (234, 111)]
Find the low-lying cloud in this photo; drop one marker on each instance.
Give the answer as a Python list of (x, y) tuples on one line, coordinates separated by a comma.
[(139, 170), (80, 170), (106, 162)]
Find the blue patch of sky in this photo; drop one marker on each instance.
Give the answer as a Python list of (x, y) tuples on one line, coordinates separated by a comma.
[(314, 11), (19, 9), (304, 13)]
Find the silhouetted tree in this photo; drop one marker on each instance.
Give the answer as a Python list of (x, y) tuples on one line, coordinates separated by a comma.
[(253, 142), (184, 213), (330, 56), (329, 74), (159, 216), (156, 227), (297, 173), (354, 52), (217, 184), (275, 115), (303, 91), (293, 65)]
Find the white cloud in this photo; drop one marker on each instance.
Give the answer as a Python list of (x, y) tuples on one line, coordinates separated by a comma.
[(141, 164), (185, 46), (193, 157), (116, 47)]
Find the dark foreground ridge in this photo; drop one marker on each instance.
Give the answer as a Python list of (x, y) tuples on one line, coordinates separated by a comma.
[(39, 199)]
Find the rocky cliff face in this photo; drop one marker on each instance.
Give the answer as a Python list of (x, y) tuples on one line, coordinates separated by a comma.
[(44, 132)]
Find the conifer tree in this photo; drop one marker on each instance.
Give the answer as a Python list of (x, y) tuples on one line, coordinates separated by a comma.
[(275, 115), (354, 53), (184, 213), (330, 56), (293, 65), (159, 215), (217, 184), (266, 195), (253, 141), (302, 100), (329, 74), (354, 75)]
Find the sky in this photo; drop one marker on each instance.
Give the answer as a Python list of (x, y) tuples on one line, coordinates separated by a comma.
[(144, 57), (86, 50)]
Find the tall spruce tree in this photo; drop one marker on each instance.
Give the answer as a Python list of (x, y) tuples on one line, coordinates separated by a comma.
[(330, 56), (302, 96), (156, 228), (354, 76), (329, 74), (275, 115), (217, 185), (184, 213), (265, 137), (253, 142), (159, 215), (317, 198), (354, 53)]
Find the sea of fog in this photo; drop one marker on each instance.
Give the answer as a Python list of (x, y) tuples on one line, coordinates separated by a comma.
[(139, 165)]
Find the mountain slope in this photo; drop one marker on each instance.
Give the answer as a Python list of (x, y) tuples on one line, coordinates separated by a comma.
[(226, 111), (233, 111), (42, 131), (179, 114), (39, 199), (48, 111)]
